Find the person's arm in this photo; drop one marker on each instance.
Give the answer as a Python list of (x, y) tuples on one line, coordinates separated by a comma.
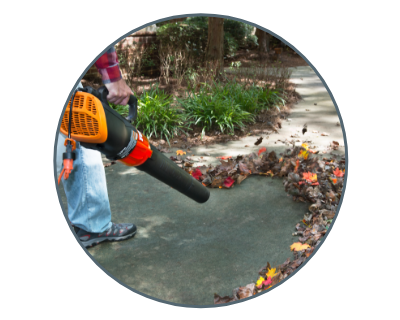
[(108, 67)]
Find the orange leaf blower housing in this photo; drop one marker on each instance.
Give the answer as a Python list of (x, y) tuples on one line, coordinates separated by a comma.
[(97, 126)]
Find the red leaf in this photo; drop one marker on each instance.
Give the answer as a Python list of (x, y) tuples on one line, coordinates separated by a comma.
[(267, 282), (224, 157), (228, 182), (338, 173), (196, 173), (262, 149)]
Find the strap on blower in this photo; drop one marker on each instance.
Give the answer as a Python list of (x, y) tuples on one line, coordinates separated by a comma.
[(93, 123)]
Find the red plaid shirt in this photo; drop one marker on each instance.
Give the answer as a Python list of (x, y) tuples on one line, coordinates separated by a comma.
[(108, 66)]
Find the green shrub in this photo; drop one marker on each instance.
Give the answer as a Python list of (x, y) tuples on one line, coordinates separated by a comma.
[(240, 31), (190, 35), (212, 109), (157, 117), (230, 45)]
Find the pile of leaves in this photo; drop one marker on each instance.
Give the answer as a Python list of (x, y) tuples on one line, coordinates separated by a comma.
[(306, 177)]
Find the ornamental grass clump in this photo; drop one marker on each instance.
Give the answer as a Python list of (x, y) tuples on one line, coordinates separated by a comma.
[(211, 109), (156, 117)]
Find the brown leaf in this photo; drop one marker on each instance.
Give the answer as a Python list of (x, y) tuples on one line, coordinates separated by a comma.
[(241, 178), (328, 214), (207, 180), (243, 168), (220, 300), (217, 182), (335, 145), (272, 156), (244, 292), (259, 140)]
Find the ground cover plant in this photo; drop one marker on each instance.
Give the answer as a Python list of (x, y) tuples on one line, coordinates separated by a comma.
[(212, 108)]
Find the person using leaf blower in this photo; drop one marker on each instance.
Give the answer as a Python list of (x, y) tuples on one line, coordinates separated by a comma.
[(86, 189), (93, 127)]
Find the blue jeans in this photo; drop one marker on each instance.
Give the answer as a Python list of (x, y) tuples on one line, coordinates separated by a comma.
[(86, 189)]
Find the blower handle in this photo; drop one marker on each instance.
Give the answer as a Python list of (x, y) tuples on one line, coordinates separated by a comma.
[(133, 102)]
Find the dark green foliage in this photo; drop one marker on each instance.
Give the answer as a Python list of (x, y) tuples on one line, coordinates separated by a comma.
[(211, 108)]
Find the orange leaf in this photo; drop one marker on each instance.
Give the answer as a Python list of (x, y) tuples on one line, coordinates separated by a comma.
[(297, 165), (338, 173), (180, 152), (298, 246), (310, 177), (224, 157)]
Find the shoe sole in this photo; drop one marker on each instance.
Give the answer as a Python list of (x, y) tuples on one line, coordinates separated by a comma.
[(94, 242)]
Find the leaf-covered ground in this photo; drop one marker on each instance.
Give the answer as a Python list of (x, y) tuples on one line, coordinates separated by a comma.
[(306, 177)]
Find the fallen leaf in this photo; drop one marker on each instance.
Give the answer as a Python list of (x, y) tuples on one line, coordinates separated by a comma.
[(262, 149), (228, 182), (304, 151), (180, 152), (244, 292), (267, 282), (338, 173), (259, 282), (324, 134), (310, 177), (298, 246), (309, 251), (259, 140), (271, 273), (224, 157), (243, 168), (220, 300), (241, 178), (196, 173)]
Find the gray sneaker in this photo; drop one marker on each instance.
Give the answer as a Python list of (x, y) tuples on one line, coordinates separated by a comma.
[(117, 232)]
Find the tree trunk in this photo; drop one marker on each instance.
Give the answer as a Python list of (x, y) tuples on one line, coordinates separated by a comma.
[(263, 40), (215, 43), (263, 43)]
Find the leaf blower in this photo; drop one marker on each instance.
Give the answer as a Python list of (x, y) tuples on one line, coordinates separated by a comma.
[(93, 123)]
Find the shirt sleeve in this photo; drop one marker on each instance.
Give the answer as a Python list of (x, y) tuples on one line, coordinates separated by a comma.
[(108, 66)]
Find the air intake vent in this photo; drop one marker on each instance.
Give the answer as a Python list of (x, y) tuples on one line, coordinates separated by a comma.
[(88, 119)]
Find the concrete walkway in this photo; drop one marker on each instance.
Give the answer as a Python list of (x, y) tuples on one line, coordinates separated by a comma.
[(185, 252)]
